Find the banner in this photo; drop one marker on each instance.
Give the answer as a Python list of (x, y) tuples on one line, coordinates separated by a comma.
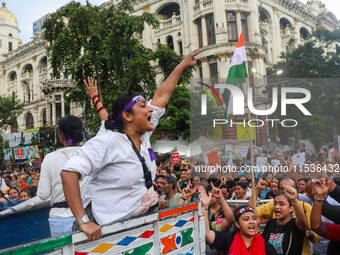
[(213, 158), (27, 152), (243, 133), (299, 159), (237, 151), (261, 162), (215, 133), (174, 157), (8, 154)]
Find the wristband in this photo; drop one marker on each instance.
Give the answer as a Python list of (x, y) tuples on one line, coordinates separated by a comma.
[(318, 200), (95, 104), (101, 108), (94, 98), (294, 203), (184, 198)]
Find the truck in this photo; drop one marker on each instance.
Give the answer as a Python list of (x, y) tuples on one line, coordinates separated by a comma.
[(179, 230)]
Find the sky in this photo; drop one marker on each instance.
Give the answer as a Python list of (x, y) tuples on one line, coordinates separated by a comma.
[(28, 11)]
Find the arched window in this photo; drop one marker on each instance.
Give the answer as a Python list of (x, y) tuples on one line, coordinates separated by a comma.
[(44, 119), (29, 121), (170, 42), (304, 34), (12, 76), (27, 69)]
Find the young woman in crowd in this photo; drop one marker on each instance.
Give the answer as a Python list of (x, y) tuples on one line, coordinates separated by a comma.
[(274, 188), (240, 191), (286, 233), (120, 161), (244, 240), (13, 194), (24, 194), (60, 217)]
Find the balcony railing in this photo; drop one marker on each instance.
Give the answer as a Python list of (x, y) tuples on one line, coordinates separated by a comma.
[(168, 23), (51, 85)]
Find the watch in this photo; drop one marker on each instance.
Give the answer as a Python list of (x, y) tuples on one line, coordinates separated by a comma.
[(83, 220)]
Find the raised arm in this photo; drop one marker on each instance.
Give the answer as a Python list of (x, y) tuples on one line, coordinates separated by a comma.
[(300, 221), (205, 200), (262, 184), (321, 189), (92, 93), (164, 92)]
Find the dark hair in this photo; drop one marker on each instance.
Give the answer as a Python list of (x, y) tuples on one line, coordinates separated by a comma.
[(283, 194), (166, 169), (224, 186), (14, 189), (243, 185), (33, 191), (171, 180), (236, 217), (177, 167), (72, 128), (303, 179), (113, 123), (25, 190), (159, 176), (209, 188)]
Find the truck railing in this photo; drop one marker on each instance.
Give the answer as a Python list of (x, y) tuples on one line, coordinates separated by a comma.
[(179, 230)]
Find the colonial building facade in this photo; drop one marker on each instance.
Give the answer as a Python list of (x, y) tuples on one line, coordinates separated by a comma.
[(25, 71), (270, 27)]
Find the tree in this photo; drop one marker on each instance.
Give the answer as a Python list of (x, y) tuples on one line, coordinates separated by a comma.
[(176, 119), (309, 61), (99, 42), (10, 107)]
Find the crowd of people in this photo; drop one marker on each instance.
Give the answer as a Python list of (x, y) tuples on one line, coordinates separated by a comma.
[(114, 176)]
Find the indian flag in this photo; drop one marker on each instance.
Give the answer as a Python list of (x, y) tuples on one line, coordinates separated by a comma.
[(237, 74)]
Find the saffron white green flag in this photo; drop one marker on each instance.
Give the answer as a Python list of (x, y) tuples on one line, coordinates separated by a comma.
[(237, 74)]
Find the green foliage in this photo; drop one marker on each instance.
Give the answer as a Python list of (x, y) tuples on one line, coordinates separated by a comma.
[(176, 120), (89, 41), (9, 109), (309, 61)]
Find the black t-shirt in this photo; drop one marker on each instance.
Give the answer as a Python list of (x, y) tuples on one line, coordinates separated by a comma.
[(279, 237), (223, 241)]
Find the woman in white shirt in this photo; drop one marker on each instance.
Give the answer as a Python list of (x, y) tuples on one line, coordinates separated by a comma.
[(70, 135), (118, 185)]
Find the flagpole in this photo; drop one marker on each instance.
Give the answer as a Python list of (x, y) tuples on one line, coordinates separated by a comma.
[(251, 149)]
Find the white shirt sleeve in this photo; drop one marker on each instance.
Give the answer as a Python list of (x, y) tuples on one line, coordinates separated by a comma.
[(45, 184), (93, 155)]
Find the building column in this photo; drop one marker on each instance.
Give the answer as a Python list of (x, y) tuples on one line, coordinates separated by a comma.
[(62, 106), (205, 67), (220, 19), (277, 35), (253, 24), (222, 64), (54, 112), (204, 31), (238, 22), (48, 114)]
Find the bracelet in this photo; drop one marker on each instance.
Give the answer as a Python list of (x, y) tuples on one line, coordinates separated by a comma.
[(318, 200), (94, 98), (184, 198), (294, 203), (206, 209), (95, 104), (101, 108)]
